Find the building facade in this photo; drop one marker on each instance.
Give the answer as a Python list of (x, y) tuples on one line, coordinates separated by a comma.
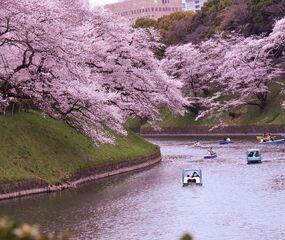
[(133, 9), (192, 5)]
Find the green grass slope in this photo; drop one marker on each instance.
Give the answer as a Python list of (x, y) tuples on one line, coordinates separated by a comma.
[(247, 115), (33, 145)]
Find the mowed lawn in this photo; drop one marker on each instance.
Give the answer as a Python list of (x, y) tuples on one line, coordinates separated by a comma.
[(34, 145)]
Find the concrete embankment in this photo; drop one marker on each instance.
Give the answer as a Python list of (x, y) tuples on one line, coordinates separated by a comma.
[(221, 131), (35, 186)]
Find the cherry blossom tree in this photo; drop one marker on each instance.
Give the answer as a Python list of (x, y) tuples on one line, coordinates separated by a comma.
[(196, 66), (233, 70), (243, 76), (275, 42), (127, 66), (275, 45), (248, 69), (88, 68), (184, 63)]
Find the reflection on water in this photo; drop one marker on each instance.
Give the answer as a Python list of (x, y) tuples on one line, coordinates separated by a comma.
[(237, 201)]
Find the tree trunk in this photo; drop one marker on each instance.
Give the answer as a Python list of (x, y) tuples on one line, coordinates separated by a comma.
[(194, 108), (262, 97)]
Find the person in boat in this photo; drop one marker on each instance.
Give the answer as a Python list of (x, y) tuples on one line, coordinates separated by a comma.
[(197, 144), (228, 139), (211, 152), (195, 177), (187, 178), (268, 136)]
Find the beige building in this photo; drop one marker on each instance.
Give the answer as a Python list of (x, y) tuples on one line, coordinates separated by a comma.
[(193, 5), (133, 9)]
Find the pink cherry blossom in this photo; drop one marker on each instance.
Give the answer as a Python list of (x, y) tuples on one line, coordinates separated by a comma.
[(89, 68)]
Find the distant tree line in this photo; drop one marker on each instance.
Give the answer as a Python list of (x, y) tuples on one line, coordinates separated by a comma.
[(245, 17)]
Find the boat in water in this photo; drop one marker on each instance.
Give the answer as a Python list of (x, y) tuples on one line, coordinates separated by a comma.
[(223, 142), (277, 141), (267, 138), (210, 156), (197, 144), (191, 176), (253, 155)]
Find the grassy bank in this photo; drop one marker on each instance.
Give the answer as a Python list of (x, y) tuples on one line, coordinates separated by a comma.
[(35, 146), (247, 115)]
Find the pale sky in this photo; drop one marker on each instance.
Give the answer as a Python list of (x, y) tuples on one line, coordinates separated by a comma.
[(101, 2)]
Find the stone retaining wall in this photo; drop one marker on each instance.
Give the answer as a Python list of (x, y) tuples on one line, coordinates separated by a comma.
[(34, 186), (229, 130)]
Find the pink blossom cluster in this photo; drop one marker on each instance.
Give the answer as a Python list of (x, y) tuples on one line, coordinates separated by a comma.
[(226, 72), (89, 68)]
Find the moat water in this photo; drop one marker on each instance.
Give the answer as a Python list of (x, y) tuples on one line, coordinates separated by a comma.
[(237, 201)]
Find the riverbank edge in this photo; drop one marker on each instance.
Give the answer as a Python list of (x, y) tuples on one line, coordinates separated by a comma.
[(233, 130), (35, 186)]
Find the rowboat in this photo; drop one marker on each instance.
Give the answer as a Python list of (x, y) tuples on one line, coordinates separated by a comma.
[(191, 176), (210, 156), (223, 142), (259, 138), (278, 141), (253, 155)]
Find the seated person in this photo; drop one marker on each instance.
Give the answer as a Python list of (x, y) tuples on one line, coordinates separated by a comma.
[(211, 152), (251, 154), (195, 177), (228, 139), (197, 144), (186, 178), (256, 154)]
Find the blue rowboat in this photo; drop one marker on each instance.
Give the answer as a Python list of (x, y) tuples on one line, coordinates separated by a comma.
[(279, 141), (210, 156), (223, 142), (253, 155)]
